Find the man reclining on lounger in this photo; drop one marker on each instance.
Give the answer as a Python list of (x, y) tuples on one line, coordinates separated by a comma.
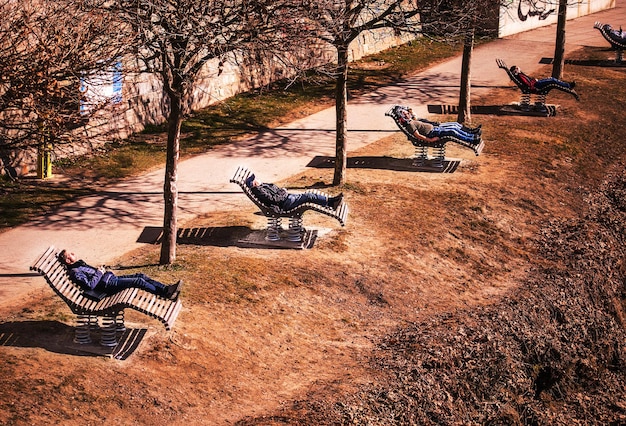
[(272, 195), (617, 35), (538, 85), (99, 280), (431, 131)]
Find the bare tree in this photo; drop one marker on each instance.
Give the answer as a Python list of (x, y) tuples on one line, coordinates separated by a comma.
[(46, 49), (466, 78), (559, 44), (461, 18), (339, 23), (175, 39)]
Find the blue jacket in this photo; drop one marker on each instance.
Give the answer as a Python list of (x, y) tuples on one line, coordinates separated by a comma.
[(270, 194), (86, 276)]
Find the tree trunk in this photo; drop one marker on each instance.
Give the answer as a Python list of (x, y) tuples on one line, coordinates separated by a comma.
[(170, 187), (466, 79), (559, 48), (341, 110)]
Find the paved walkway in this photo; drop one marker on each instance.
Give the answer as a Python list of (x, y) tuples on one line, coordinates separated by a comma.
[(106, 225)]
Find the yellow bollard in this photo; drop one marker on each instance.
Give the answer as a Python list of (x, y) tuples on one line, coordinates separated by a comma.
[(44, 162)]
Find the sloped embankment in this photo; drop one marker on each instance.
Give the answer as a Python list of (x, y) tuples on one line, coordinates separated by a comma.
[(553, 353)]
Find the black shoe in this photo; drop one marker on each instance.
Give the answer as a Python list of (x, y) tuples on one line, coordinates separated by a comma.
[(173, 291), (473, 130), (334, 202), (572, 85)]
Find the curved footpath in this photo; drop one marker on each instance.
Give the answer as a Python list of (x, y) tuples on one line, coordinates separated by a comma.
[(104, 226)]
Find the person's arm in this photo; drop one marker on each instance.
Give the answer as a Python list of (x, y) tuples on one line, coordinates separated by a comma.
[(424, 138), (416, 125), (85, 276), (269, 193)]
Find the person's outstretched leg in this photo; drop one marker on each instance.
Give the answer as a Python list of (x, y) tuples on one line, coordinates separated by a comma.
[(456, 133), (455, 125), (295, 200), (541, 84), (139, 280)]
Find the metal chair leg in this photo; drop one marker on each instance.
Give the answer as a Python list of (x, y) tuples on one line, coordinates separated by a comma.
[(294, 233), (273, 228), (81, 333), (421, 155), (440, 155), (107, 336), (120, 327)]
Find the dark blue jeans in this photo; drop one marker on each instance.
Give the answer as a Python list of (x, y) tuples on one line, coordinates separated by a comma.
[(139, 280), (295, 200), (454, 130), (540, 84)]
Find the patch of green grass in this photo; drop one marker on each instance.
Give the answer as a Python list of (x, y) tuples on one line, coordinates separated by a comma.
[(250, 112), (114, 161)]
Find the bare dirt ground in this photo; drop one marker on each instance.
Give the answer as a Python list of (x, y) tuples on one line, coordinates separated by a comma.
[(491, 295)]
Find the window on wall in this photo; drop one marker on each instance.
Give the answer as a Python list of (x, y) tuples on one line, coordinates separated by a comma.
[(102, 88)]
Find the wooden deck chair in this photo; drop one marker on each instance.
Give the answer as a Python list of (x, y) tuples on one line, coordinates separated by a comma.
[(421, 147), (274, 214), (88, 306), (616, 40), (528, 92)]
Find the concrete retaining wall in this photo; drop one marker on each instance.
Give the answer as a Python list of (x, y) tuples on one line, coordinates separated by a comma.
[(144, 102), (523, 15)]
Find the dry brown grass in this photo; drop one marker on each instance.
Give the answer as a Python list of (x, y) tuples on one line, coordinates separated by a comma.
[(283, 337)]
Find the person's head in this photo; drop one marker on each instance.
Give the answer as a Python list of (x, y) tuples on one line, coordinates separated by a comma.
[(66, 257), (251, 181), (515, 69)]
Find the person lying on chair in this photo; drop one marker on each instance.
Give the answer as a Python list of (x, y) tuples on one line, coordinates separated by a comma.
[(617, 35), (270, 194), (432, 131), (99, 280), (538, 85)]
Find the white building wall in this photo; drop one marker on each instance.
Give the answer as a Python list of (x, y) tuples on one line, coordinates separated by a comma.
[(517, 16)]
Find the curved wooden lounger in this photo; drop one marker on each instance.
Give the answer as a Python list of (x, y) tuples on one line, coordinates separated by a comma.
[(421, 147), (85, 305), (528, 91), (274, 213), (617, 43)]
